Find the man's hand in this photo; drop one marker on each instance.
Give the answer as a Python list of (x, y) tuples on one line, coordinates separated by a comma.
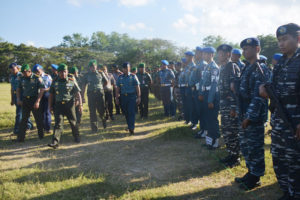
[(245, 123), (117, 101), (201, 98), (298, 132), (210, 105), (233, 113), (263, 92), (80, 109), (138, 100), (11, 103), (83, 100), (36, 105), (20, 103)]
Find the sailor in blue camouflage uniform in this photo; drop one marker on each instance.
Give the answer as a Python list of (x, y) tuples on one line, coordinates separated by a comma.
[(200, 65), (209, 95), (177, 93), (14, 81), (285, 147), (191, 92), (229, 72), (252, 111), (47, 80), (182, 86), (166, 77), (236, 58), (129, 93)]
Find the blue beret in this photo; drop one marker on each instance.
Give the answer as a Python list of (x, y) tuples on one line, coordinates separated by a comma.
[(290, 28), (250, 42), (126, 64), (262, 57), (209, 50), (199, 49), (189, 53), (224, 47), (54, 66), (277, 56), (165, 62), (237, 52), (183, 60), (12, 65), (36, 67)]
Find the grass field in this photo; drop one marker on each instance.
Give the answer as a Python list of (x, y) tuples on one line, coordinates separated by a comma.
[(162, 161)]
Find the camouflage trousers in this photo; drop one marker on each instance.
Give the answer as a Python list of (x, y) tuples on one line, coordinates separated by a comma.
[(230, 130), (252, 147), (178, 100), (286, 158)]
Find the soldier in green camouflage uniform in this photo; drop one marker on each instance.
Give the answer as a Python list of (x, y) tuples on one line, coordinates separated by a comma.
[(31, 87), (95, 92), (65, 89)]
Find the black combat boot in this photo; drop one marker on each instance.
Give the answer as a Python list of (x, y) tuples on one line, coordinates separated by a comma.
[(241, 179), (251, 182)]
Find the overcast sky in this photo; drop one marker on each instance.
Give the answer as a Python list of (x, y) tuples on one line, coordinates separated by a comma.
[(43, 23)]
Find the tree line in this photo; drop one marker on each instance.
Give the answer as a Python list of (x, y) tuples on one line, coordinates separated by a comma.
[(113, 48)]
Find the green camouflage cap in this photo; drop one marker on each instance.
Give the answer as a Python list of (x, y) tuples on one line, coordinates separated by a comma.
[(62, 67), (25, 67), (92, 62), (142, 65), (73, 70)]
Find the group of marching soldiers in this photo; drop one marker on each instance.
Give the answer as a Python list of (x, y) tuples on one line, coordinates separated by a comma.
[(199, 88), (239, 90)]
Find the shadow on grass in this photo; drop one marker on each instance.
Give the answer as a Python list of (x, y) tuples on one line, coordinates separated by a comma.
[(226, 193)]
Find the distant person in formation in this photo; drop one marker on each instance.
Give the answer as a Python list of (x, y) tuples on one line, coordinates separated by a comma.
[(236, 55), (210, 96), (145, 83), (200, 65), (29, 94), (47, 80), (64, 90), (166, 78), (128, 91), (252, 111), (285, 146), (74, 72), (116, 73), (191, 91), (229, 72), (15, 76), (108, 89), (95, 93)]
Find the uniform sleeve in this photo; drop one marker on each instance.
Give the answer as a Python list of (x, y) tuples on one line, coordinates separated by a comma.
[(52, 88), (172, 75), (118, 82), (231, 98), (40, 82), (136, 82), (214, 83), (257, 103), (149, 79), (76, 87)]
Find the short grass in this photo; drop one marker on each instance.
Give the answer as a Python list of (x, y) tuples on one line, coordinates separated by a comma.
[(162, 161)]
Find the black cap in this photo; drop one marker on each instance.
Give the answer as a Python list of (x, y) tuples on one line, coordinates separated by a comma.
[(126, 64), (225, 48), (290, 28)]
